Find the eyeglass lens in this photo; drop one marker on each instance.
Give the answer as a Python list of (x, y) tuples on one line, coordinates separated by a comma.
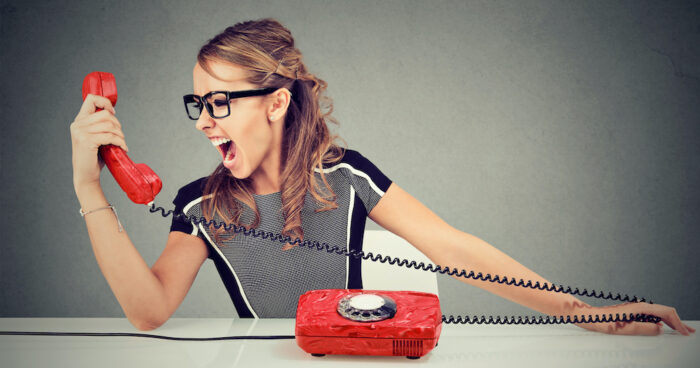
[(217, 106)]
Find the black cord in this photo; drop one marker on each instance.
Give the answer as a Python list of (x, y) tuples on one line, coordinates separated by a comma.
[(436, 268), (400, 262), (446, 320), (639, 317), (273, 337)]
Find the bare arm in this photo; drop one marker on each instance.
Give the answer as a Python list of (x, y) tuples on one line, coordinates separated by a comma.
[(405, 216), (147, 296), (466, 251), (137, 289)]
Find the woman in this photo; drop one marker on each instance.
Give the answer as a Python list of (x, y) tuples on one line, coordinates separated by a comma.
[(281, 173)]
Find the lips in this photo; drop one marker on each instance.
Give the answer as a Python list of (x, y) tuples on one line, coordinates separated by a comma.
[(225, 146)]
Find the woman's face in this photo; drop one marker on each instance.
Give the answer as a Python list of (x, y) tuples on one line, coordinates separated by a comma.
[(253, 136)]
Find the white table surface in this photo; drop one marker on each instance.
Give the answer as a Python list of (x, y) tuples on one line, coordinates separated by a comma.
[(459, 346)]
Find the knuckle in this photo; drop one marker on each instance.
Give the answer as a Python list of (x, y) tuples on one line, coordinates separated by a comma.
[(95, 98)]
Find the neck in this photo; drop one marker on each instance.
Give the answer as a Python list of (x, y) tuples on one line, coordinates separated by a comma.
[(266, 179)]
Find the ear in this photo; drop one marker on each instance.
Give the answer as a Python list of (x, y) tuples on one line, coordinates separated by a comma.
[(278, 103)]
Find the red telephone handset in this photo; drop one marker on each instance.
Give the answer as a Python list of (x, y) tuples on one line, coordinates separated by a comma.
[(139, 182)]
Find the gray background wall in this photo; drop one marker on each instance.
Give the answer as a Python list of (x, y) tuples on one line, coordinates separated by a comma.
[(563, 133)]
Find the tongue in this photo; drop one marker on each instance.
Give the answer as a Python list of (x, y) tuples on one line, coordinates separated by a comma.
[(231, 153)]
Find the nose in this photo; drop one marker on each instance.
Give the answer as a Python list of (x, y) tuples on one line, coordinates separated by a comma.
[(204, 121)]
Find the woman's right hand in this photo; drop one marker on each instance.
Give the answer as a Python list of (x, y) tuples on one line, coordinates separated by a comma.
[(667, 314), (88, 132)]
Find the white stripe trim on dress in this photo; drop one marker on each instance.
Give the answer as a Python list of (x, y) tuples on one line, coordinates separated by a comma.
[(238, 282), (187, 208), (356, 172), (347, 243)]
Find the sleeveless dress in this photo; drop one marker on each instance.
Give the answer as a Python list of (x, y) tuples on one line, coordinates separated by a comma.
[(263, 280)]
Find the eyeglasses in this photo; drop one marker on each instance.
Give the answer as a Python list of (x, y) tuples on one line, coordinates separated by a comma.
[(217, 102)]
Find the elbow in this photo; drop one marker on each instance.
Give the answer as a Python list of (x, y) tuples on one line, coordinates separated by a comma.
[(151, 321), (146, 325)]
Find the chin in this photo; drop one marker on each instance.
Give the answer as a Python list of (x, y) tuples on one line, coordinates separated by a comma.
[(237, 176)]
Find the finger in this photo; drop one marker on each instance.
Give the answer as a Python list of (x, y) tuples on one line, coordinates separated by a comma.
[(100, 116), (92, 103), (689, 328), (103, 139), (673, 320), (105, 127), (105, 115), (667, 314)]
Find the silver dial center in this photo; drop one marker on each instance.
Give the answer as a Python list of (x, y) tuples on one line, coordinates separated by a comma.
[(366, 301)]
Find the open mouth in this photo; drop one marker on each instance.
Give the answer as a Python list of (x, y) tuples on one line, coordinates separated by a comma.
[(227, 150)]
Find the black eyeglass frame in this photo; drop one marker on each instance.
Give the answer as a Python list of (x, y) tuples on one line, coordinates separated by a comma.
[(230, 95)]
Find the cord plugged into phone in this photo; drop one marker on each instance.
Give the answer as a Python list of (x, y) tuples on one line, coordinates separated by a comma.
[(139, 182), (342, 321)]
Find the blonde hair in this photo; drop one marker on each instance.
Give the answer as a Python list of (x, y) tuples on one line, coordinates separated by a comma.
[(265, 48)]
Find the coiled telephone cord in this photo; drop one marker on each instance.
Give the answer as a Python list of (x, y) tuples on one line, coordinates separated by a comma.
[(639, 317)]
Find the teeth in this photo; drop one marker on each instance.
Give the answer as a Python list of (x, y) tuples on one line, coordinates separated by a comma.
[(219, 141)]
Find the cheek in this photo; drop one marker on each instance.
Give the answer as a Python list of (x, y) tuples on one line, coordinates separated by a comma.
[(250, 129), (254, 137)]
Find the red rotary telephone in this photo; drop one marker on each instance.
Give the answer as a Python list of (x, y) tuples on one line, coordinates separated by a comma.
[(139, 182), (368, 322)]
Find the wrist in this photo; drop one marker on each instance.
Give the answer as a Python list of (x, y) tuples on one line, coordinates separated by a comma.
[(585, 312), (90, 196), (86, 186)]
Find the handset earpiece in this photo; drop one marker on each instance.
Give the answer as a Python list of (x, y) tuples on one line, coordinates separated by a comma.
[(139, 182)]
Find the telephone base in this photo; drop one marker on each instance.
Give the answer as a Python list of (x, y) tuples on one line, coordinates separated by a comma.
[(320, 346), (407, 357)]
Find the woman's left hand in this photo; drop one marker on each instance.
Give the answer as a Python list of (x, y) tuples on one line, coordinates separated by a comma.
[(667, 315)]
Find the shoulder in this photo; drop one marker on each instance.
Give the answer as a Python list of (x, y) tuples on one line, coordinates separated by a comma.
[(354, 157), (191, 191), (194, 186), (351, 158), (359, 168)]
